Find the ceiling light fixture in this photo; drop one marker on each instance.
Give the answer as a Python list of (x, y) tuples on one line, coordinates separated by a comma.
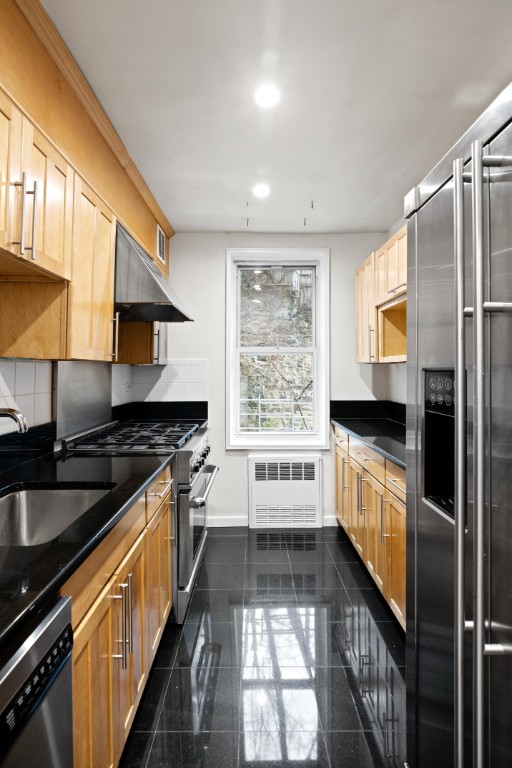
[(267, 96), (261, 190)]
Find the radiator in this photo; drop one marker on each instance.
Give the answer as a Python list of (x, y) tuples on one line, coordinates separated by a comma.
[(284, 491)]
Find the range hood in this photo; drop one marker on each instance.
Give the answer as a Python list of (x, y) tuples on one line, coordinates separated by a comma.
[(140, 291)]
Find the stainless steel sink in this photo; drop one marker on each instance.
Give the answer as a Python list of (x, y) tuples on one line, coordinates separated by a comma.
[(31, 516)]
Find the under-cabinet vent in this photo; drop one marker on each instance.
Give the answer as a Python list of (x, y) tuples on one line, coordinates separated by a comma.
[(160, 243), (284, 492)]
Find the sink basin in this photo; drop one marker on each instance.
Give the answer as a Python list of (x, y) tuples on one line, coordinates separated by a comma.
[(31, 516)]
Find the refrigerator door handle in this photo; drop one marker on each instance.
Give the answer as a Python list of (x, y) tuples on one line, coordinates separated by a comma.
[(460, 455)]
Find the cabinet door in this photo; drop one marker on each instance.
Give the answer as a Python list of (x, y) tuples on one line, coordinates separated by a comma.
[(381, 537), (365, 312), (159, 574), (342, 489), (10, 171), (402, 262), (93, 666), (131, 578), (91, 294), (381, 275), (396, 595), (48, 203), (357, 507)]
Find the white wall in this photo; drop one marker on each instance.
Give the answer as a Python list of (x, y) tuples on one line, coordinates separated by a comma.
[(198, 275)]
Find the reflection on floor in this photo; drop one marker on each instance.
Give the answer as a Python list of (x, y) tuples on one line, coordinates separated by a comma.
[(288, 656)]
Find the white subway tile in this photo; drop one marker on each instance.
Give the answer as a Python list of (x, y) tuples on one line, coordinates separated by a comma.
[(196, 372), (25, 380), (42, 408), (25, 404), (195, 391), (174, 373), (175, 392), (140, 392), (43, 378), (6, 426), (7, 376)]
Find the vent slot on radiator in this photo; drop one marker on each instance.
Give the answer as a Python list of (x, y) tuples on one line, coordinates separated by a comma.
[(284, 492)]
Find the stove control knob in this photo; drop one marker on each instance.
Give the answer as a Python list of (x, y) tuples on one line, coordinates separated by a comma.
[(197, 466)]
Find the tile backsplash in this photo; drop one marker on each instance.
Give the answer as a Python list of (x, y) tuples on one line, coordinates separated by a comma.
[(27, 386), (179, 380)]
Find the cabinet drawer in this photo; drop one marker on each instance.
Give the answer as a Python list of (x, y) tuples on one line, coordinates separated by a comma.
[(395, 480), (341, 438), (369, 459), (157, 491)]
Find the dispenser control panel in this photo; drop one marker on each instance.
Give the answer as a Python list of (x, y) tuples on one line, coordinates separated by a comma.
[(440, 391)]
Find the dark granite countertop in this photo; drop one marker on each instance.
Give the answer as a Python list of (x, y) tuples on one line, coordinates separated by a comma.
[(384, 435), (32, 575)]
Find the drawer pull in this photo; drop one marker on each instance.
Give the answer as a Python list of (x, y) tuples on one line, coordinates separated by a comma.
[(362, 456), (393, 482), (168, 484)]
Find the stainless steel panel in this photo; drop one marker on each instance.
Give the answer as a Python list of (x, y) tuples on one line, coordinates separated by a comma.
[(82, 396), (499, 492)]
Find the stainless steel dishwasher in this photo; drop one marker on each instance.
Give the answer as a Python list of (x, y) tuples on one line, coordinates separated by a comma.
[(36, 722)]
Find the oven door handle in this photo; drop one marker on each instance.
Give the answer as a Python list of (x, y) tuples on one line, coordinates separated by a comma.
[(200, 501)]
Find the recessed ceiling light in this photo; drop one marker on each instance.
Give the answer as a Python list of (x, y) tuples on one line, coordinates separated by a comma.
[(267, 96), (261, 190)]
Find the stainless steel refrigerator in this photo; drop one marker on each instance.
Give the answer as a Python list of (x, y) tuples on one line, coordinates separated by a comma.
[(459, 453)]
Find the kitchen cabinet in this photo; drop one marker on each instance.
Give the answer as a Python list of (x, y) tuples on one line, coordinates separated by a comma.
[(159, 574), (366, 349), (130, 629), (391, 268), (10, 167), (397, 557), (381, 303), (93, 650), (46, 204), (91, 291), (121, 598), (370, 506), (143, 343)]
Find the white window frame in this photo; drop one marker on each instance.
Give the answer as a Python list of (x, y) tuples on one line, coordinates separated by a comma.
[(315, 257)]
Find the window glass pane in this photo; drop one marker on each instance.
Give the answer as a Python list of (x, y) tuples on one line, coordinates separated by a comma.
[(276, 393), (276, 307)]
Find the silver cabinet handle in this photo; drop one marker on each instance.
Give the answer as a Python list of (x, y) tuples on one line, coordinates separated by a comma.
[(460, 455), (362, 456), (362, 480), (168, 484), (393, 482), (156, 357), (381, 518), (397, 288), (23, 185), (200, 501), (115, 321), (123, 655), (370, 356), (130, 613), (358, 493), (33, 247)]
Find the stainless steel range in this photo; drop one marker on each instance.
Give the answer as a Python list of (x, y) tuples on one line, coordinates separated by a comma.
[(193, 480)]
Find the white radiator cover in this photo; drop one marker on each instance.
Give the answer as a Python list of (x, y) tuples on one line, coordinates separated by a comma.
[(284, 491)]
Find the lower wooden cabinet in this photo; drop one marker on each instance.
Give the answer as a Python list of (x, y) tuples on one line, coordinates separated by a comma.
[(94, 649), (159, 574), (116, 639), (374, 518)]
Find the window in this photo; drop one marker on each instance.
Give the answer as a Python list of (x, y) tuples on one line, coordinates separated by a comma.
[(277, 341)]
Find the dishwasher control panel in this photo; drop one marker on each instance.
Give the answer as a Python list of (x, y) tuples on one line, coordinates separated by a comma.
[(28, 696)]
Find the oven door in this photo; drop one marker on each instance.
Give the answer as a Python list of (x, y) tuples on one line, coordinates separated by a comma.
[(193, 507)]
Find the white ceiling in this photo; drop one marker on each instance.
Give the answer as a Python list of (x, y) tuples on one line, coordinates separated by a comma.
[(374, 92)]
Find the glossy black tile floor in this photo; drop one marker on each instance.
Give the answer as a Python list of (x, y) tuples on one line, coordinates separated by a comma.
[(288, 657)]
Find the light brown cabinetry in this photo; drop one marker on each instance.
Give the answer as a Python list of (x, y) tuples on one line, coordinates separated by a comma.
[(365, 313), (121, 599), (136, 343), (91, 291), (381, 303), (10, 167), (370, 496)]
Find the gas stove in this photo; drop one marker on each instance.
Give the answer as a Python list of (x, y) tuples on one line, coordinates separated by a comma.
[(156, 437)]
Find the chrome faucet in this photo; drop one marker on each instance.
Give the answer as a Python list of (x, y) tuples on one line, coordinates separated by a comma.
[(17, 416)]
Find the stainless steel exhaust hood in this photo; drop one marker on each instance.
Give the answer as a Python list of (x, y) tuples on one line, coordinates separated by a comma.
[(141, 293)]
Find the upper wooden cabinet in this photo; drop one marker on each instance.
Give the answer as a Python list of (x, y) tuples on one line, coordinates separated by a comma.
[(381, 303), (36, 197), (91, 291), (47, 205), (366, 347), (391, 268), (10, 167)]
